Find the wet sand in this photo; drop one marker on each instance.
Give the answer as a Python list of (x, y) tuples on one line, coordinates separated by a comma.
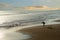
[(49, 32)]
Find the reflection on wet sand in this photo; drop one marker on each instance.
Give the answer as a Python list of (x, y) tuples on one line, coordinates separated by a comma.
[(49, 32)]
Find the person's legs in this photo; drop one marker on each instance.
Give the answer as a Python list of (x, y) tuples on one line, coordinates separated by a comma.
[(43, 25)]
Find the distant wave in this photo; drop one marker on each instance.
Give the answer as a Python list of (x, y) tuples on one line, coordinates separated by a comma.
[(9, 19)]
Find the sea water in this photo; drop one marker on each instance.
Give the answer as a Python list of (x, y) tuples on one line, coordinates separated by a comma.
[(24, 20), (28, 18), (10, 34)]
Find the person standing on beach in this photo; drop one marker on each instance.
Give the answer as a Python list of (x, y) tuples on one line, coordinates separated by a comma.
[(43, 26), (43, 23)]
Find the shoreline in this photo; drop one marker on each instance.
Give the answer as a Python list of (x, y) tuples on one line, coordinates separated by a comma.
[(40, 33)]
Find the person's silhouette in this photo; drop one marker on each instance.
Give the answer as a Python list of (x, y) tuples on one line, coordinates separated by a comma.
[(43, 23)]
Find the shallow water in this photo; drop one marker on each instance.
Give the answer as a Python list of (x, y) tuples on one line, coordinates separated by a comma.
[(6, 34)]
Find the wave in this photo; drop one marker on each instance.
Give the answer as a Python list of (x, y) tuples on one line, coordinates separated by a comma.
[(13, 19)]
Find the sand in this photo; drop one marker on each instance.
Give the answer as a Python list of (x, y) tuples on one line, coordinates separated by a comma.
[(49, 32)]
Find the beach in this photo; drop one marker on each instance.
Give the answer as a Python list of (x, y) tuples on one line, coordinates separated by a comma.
[(28, 25), (48, 32)]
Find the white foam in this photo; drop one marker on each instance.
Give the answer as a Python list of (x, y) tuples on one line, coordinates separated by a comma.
[(10, 34)]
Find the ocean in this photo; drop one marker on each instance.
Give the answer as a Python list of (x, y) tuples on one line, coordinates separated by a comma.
[(21, 20), (28, 18)]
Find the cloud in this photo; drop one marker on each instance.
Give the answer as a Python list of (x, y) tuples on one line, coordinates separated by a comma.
[(49, 0), (40, 8), (4, 5), (42, 0)]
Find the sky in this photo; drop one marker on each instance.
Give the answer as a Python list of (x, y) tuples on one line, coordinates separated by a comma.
[(51, 3), (22, 3)]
